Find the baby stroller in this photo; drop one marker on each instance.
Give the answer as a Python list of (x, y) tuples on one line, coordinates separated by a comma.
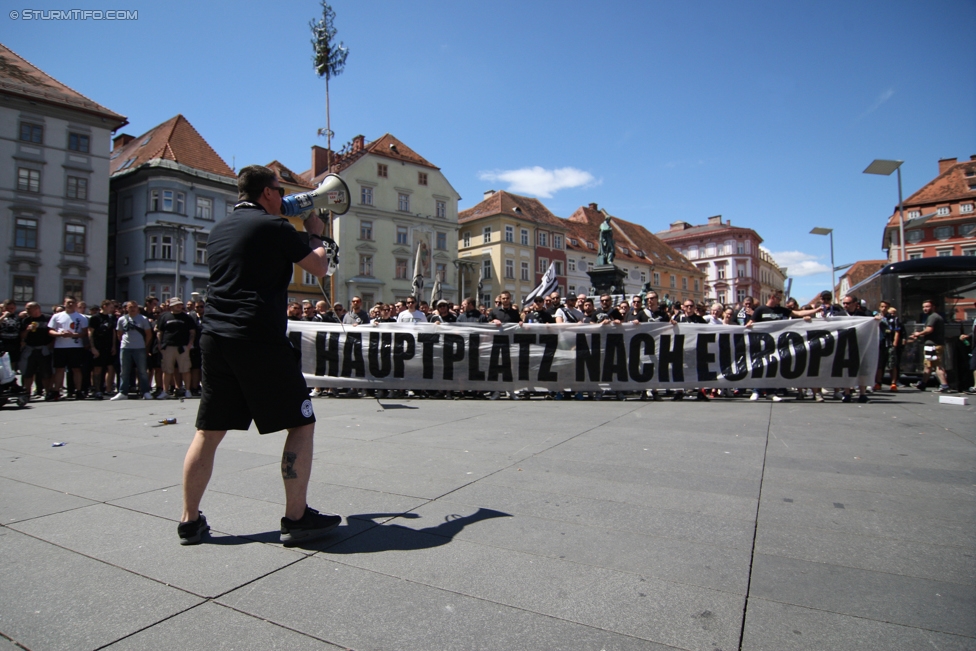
[(8, 384)]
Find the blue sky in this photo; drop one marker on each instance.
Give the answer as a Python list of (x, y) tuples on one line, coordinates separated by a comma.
[(763, 112)]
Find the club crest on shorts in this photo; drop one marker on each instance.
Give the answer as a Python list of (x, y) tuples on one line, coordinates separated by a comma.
[(307, 408)]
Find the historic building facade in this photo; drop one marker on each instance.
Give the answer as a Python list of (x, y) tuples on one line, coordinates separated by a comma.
[(168, 188), (400, 202), (508, 241), (730, 257), (949, 201), (54, 189)]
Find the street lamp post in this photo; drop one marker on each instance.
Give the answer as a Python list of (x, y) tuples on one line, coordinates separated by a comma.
[(885, 168), (181, 230), (829, 231)]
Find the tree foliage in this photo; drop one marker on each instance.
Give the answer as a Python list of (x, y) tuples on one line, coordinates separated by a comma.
[(329, 58)]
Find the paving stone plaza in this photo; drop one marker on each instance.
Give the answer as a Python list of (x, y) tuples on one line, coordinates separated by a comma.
[(501, 525)]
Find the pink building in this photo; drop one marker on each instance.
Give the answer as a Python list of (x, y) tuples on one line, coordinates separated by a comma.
[(729, 256)]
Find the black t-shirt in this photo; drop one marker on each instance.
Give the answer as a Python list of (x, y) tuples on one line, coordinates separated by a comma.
[(540, 316), (694, 318), (41, 335), (437, 318), (10, 327), (103, 330), (175, 328), (472, 316), (645, 315), (613, 315), (766, 313), (505, 315), (591, 318), (251, 256)]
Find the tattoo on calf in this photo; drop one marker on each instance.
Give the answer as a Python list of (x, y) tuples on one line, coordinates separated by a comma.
[(288, 465)]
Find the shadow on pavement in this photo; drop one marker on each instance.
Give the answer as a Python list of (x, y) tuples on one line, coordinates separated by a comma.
[(361, 535)]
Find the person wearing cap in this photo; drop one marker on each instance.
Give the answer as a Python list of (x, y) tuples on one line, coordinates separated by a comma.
[(176, 332), (442, 313), (537, 312)]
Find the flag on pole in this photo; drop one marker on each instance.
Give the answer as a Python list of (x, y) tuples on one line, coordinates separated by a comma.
[(481, 282), (418, 270), (435, 292), (546, 287)]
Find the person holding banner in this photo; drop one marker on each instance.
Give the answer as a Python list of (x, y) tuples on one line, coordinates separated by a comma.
[(251, 255), (504, 312)]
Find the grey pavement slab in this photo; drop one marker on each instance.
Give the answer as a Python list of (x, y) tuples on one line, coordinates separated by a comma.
[(139, 543), (830, 514), (622, 602), (897, 599), (24, 501), (359, 609), (213, 627), (772, 626), (679, 561), (54, 599), (627, 525), (951, 564), (652, 519)]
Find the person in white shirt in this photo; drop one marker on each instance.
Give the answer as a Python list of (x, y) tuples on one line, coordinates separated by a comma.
[(67, 328), (411, 314)]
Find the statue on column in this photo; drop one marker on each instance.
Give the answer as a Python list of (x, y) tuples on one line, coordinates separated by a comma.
[(607, 251)]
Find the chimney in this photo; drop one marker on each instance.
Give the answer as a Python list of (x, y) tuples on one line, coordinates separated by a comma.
[(946, 163), (358, 142), (320, 157), (593, 207), (972, 157), (715, 221), (488, 193), (678, 226), (121, 140)]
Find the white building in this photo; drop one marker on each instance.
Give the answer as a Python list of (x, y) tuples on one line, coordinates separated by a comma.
[(400, 201)]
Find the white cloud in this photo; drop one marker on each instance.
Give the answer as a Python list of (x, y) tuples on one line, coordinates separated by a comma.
[(539, 181), (882, 98), (800, 264)]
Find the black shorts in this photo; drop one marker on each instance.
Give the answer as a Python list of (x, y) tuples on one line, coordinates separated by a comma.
[(69, 357), (105, 359), (244, 380), (36, 364)]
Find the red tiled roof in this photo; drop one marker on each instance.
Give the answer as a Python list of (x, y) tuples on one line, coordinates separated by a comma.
[(174, 140), (951, 185), (512, 205), (861, 270), (20, 77), (704, 229), (287, 176), (387, 146), (634, 237)]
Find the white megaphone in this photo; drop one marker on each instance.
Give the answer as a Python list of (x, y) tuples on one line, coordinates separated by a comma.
[(332, 194)]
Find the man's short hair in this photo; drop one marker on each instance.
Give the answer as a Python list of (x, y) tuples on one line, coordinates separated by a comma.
[(252, 181), (31, 305), (505, 293)]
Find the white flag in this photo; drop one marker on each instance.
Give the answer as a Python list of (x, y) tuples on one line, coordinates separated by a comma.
[(546, 287)]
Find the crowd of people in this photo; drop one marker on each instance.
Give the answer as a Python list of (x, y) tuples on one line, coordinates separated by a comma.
[(109, 351), (118, 351)]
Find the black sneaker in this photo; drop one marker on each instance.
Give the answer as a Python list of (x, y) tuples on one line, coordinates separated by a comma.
[(192, 532), (310, 526), (919, 385), (862, 398), (846, 398)]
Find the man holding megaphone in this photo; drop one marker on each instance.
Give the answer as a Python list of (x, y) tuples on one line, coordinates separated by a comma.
[(250, 368)]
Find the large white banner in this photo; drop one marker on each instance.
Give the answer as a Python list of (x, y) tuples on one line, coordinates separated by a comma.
[(837, 352)]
